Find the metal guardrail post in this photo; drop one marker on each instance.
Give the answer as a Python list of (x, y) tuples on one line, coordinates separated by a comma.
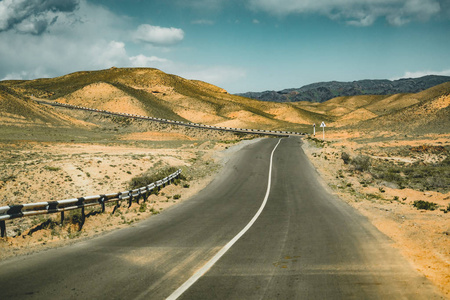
[(117, 203), (80, 203), (3, 228), (138, 196), (130, 198), (102, 202), (146, 194)]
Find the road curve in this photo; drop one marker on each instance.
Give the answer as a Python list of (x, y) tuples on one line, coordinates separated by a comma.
[(305, 244)]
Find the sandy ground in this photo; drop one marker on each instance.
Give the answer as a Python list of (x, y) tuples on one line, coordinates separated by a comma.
[(36, 172), (422, 236)]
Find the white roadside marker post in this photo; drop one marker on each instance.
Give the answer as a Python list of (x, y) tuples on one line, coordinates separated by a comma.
[(323, 127), (314, 128)]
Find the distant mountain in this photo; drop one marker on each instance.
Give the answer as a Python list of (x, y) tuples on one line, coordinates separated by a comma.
[(323, 91)]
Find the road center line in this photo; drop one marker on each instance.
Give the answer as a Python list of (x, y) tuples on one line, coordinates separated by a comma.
[(178, 292)]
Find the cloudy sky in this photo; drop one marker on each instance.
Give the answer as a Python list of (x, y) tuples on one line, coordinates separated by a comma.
[(239, 45)]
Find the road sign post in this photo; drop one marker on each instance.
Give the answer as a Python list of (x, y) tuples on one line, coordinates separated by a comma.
[(323, 128)]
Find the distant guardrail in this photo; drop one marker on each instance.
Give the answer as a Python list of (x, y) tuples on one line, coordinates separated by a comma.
[(61, 206), (196, 125)]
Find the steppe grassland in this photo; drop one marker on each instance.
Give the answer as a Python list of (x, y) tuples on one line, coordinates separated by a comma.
[(385, 177)]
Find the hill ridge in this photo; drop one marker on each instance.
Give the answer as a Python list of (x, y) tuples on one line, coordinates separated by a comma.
[(323, 91)]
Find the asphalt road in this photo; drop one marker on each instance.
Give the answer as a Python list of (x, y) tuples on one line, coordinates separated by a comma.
[(306, 244)]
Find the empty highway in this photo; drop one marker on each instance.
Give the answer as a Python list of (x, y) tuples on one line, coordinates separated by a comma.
[(265, 228)]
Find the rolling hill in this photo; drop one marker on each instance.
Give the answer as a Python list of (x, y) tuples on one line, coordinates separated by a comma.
[(429, 114), (151, 92), (17, 110), (154, 93)]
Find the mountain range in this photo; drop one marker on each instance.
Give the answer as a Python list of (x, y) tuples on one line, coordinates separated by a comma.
[(323, 91)]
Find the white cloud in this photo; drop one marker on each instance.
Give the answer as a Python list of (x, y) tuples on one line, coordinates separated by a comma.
[(89, 38), (355, 12), (92, 38), (217, 75), (33, 16), (424, 73), (157, 35), (146, 61), (36, 73), (203, 22)]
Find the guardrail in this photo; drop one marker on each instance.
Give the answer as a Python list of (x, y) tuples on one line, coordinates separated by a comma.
[(196, 125), (32, 209)]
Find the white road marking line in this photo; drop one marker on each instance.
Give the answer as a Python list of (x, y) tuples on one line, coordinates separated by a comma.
[(178, 292)]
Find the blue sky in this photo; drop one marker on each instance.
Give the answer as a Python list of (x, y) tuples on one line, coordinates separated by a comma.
[(239, 45)]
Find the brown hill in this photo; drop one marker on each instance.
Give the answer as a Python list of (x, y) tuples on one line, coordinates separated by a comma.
[(428, 116), (151, 92), (422, 112), (154, 93), (17, 110)]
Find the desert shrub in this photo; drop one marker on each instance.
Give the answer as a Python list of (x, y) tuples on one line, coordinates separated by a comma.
[(361, 163), (143, 207), (8, 178), (177, 196), (49, 168), (151, 176), (420, 204), (74, 217), (345, 157), (154, 211)]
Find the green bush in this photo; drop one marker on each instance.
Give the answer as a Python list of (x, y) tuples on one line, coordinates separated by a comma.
[(152, 176), (49, 168), (361, 163), (143, 207), (345, 157), (420, 204)]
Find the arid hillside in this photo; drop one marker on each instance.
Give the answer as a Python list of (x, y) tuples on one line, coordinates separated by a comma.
[(17, 110), (151, 92), (427, 111), (154, 93)]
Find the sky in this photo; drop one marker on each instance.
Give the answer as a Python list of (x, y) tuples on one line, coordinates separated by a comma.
[(238, 45)]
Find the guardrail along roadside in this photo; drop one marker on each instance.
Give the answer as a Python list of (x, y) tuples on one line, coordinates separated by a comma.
[(32, 209), (196, 125)]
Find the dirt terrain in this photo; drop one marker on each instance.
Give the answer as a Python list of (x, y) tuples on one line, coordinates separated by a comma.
[(35, 172), (422, 235)]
